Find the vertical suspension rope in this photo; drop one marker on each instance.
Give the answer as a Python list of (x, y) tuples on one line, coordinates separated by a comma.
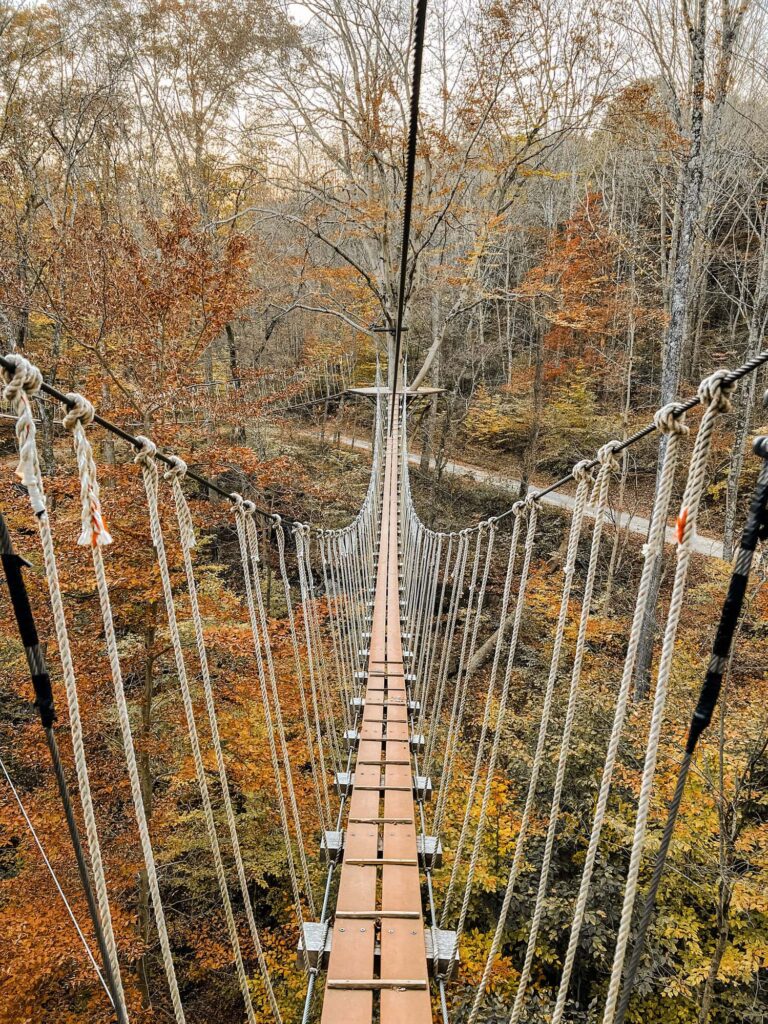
[(532, 508), (608, 466), (253, 546), (129, 751), (188, 541), (251, 580), (464, 834), (20, 386), (146, 460), (675, 428), (459, 572), (714, 393), (319, 776), (581, 475)]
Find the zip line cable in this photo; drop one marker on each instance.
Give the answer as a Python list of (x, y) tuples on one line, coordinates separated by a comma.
[(410, 174)]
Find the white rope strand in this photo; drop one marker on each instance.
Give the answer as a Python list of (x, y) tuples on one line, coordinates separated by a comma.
[(608, 465), (675, 428), (530, 503), (253, 543), (149, 471), (714, 394), (188, 542), (581, 475), (20, 386)]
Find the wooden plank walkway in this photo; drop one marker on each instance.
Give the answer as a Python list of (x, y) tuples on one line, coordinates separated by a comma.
[(380, 839)]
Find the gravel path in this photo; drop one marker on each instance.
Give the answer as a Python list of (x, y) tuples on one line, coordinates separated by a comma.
[(635, 523)]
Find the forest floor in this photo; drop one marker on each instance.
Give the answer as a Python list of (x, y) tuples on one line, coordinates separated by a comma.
[(630, 521)]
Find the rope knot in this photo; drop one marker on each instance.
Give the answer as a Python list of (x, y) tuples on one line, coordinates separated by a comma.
[(582, 471), (147, 450), (531, 499), (23, 382), (606, 455), (248, 507), (25, 377), (79, 410), (517, 508), (178, 470), (715, 390), (669, 420)]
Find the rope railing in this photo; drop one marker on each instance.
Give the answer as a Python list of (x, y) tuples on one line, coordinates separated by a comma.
[(446, 605), (431, 577), (355, 546)]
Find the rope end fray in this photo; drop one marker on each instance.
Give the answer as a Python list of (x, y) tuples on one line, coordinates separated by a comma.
[(79, 415), (21, 384)]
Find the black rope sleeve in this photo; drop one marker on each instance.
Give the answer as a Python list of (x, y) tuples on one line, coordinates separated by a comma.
[(41, 681)]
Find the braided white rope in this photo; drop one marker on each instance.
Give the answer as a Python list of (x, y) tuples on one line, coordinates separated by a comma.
[(459, 572), (713, 394), (479, 757), (467, 656), (673, 426), (317, 675), (471, 623), (429, 623), (581, 474), (129, 751), (251, 582), (20, 387), (78, 416), (188, 541), (500, 720), (334, 612), (298, 532), (253, 542), (426, 689), (146, 460), (608, 465), (319, 777), (533, 512)]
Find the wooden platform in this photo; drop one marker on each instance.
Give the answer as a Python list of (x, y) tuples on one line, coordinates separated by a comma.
[(379, 901)]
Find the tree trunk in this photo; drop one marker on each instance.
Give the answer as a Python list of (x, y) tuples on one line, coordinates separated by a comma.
[(723, 932), (529, 458), (689, 202)]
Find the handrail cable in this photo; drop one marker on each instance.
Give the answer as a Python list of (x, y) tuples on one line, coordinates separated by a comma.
[(133, 439), (728, 379)]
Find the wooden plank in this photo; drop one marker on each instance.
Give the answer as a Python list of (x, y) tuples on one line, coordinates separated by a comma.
[(383, 769)]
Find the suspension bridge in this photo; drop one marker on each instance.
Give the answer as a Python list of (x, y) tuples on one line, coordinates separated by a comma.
[(383, 713), (385, 617)]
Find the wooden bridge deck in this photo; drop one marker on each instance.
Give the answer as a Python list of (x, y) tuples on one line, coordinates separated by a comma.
[(380, 872)]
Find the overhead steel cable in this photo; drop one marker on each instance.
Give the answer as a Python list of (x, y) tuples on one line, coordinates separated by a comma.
[(410, 174), (132, 439)]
